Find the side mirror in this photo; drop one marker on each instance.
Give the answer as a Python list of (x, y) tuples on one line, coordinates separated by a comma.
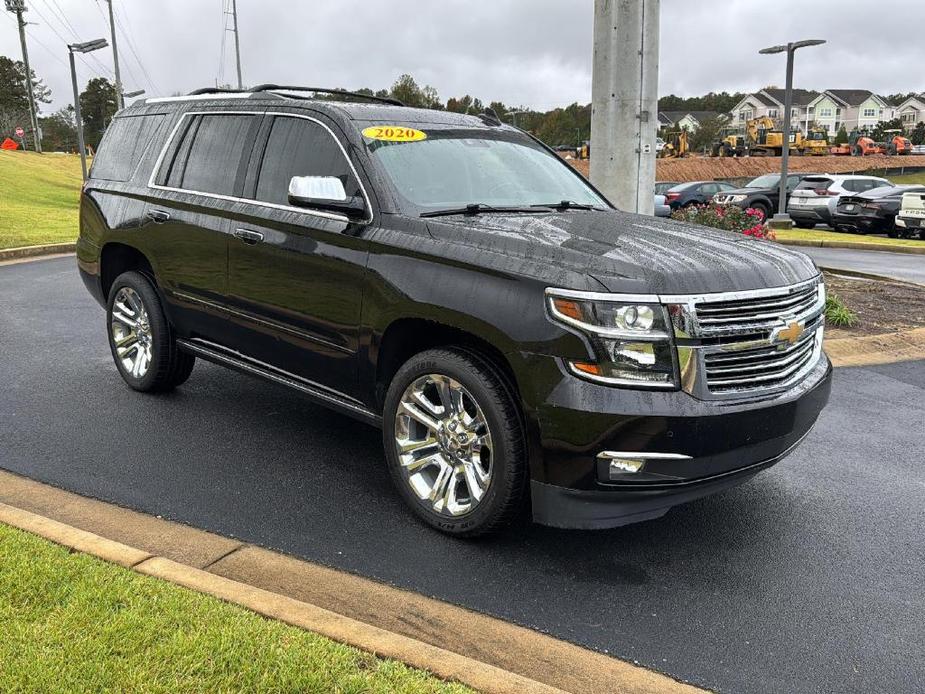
[(324, 193)]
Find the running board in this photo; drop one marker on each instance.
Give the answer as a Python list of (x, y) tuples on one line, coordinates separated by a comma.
[(320, 394)]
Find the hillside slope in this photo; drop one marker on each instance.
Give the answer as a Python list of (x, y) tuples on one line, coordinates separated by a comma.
[(39, 195)]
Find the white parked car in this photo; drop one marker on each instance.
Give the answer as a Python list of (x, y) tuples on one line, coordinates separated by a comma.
[(814, 200), (911, 217), (659, 145)]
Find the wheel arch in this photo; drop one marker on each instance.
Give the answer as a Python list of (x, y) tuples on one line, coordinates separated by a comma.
[(116, 258), (407, 336)]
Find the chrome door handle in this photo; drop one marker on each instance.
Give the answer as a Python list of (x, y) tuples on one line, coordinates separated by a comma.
[(158, 216), (249, 237)]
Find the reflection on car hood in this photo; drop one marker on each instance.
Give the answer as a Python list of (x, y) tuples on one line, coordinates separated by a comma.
[(749, 191), (624, 252)]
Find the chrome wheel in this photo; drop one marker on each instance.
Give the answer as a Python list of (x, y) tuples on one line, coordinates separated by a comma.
[(131, 332), (443, 444)]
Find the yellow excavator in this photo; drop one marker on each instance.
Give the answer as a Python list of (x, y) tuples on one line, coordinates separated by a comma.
[(675, 145), (762, 138)]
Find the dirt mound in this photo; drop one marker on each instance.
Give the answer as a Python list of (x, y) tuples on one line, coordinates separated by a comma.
[(709, 168)]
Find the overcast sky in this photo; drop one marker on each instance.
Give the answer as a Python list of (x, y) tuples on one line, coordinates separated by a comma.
[(531, 52)]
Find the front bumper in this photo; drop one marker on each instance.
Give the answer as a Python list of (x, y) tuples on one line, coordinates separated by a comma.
[(723, 443)]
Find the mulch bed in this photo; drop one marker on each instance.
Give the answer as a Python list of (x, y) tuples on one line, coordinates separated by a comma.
[(881, 307)]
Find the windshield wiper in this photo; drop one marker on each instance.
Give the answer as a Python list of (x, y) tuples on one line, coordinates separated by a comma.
[(479, 208), (567, 205)]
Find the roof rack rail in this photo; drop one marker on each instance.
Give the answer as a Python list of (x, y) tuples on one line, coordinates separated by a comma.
[(294, 88), (323, 90)]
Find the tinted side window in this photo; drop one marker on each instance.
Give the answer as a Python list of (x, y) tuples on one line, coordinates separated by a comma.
[(208, 159), (300, 147), (851, 185), (126, 140)]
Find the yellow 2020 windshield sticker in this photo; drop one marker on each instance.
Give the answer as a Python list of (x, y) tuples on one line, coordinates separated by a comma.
[(394, 133)]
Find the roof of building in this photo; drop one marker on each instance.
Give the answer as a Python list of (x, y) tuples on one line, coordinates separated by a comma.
[(851, 97), (675, 116), (801, 97)]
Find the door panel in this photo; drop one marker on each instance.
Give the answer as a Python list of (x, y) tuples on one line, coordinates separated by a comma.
[(296, 277)]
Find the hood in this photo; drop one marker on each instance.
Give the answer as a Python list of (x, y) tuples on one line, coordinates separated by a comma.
[(625, 252), (749, 191)]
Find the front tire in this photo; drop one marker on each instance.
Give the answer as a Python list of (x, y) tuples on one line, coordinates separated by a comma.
[(454, 442), (140, 338), (804, 225)]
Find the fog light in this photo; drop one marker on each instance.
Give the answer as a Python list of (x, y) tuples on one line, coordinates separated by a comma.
[(619, 465)]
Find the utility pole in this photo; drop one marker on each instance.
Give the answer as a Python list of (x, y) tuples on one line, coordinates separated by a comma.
[(237, 45), (19, 6), (624, 102), (120, 99)]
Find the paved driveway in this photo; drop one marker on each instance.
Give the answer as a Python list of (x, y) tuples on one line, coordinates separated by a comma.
[(902, 266), (807, 579)]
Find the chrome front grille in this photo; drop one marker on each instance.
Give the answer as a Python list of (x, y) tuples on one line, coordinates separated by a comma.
[(748, 343), (757, 313), (758, 368)]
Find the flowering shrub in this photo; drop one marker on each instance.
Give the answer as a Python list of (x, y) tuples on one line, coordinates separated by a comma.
[(731, 218)]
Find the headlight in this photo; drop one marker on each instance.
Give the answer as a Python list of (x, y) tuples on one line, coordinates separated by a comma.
[(630, 340), (737, 198)]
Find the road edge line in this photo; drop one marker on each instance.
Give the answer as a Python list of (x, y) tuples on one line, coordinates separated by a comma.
[(853, 246)]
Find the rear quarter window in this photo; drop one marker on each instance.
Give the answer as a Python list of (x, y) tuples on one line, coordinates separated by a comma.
[(125, 142)]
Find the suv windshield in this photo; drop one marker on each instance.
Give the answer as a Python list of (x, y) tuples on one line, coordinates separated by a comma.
[(766, 181), (454, 168)]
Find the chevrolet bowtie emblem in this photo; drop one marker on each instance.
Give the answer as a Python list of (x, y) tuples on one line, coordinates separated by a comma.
[(790, 334)]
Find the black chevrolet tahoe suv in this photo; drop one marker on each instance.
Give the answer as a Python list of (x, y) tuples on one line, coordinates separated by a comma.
[(449, 279)]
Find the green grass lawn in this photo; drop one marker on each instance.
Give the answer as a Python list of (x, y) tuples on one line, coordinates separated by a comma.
[(910, 179), (72, 623), (842, 237), (39, 195)]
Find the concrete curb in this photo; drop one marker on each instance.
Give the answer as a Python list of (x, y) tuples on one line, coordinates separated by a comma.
[(487, 654), (36, 251), (890, 348), (854, 245), (868, 276)]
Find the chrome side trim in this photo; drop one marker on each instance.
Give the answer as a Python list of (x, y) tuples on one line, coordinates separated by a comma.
[(324, 395), (248, 201), (642, 455)]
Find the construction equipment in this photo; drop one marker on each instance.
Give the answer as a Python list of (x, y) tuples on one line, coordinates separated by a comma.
[(675, 146), (762, 138), (896, 142), (730, 146), (816, 142)]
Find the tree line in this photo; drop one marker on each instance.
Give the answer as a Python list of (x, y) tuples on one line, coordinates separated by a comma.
[(568, 125)]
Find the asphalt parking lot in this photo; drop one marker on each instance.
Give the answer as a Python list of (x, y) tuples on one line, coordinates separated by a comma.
[(807, 579)]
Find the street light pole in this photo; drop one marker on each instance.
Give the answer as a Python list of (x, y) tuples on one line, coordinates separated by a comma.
[(120, 99), (18, 7), (73, 48), (782, 219)]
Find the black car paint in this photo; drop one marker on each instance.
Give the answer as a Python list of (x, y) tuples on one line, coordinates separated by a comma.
[(323, 301), (873, 211)]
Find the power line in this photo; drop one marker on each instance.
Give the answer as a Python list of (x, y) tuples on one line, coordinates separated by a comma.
[(127, 33), (97, 64)]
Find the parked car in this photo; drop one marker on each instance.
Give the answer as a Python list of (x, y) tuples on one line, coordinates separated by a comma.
[(911, 218), (695, 193), (873, 212), (814, 199), (659, 144), (760, 193), (513, 335), (661, 207), (662, 187)]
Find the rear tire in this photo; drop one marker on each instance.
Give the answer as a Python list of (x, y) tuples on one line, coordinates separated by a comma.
[(454, 442), (140, 338)]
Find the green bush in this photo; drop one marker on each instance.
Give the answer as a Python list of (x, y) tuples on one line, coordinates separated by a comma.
[(837, 314)]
